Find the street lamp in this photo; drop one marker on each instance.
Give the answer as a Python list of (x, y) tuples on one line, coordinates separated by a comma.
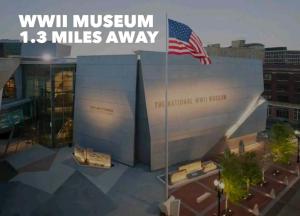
[(47, 57), (265, 136), (297, 133), (219, 185)]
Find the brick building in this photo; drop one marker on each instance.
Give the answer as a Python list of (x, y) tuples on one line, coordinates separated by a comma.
[(282, 85)]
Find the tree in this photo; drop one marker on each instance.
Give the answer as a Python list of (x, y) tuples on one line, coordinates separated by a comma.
[(265, 161), (251, 170), (265, 157), (282, 143), (232, 176)]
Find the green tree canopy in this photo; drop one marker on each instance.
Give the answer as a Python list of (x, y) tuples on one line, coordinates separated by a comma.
[(232, 176), (282, 143), (251, 170)]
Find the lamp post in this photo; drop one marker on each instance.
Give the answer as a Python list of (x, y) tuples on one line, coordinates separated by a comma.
[(297, 133), (265, 135), (49, 59), (219, 185)]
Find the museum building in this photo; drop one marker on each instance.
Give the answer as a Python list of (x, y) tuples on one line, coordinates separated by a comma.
[(115, 103)]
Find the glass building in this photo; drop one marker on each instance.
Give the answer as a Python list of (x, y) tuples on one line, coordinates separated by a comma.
[(119, 105), (37, 100), (50, 88)]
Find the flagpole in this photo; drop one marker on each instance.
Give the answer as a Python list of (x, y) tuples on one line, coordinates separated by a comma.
[(166, 113)]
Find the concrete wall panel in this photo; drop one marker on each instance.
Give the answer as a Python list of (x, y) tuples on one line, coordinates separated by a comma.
[(105, 105), (216, 95)]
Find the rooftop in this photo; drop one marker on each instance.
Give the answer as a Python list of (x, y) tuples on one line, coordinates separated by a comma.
[(238, 48)]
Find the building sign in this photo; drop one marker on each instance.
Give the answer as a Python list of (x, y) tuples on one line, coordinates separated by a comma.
[(190, 101), (102, 109), (86, 156)]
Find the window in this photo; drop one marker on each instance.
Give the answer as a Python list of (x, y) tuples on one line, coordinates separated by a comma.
[(268, 97), (269, 111), (281, 87), (267, 86), (282, 77), (9, 90), (297, 98), (297, 88), (63, 78), (52, 89), (296, 114), (297, 78), (282, 113), (267, 76), (282, 98)]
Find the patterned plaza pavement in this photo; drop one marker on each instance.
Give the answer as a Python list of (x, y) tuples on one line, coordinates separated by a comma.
[(47, 182), (41, 181), (263, 199)]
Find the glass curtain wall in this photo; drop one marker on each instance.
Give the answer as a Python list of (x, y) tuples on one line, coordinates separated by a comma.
[(51, 88), (38, 87), (63, 98)]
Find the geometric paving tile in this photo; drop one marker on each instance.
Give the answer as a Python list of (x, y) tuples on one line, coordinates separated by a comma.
[(107, 179), (63, 154), (86, 170), (48, 181), (77, 196), (137, 192), (43, 164), (71, 189), (7, 172), (20, 199), (24, 158)]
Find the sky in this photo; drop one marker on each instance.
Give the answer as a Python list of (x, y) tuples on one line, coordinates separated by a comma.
[(271, 22)]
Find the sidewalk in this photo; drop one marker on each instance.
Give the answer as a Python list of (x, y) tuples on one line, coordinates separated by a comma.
[(289, 204)]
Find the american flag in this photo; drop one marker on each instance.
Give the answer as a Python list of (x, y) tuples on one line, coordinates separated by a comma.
[(183, 41)]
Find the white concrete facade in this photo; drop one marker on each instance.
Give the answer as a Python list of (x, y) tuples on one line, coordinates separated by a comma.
[(205, 102)]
